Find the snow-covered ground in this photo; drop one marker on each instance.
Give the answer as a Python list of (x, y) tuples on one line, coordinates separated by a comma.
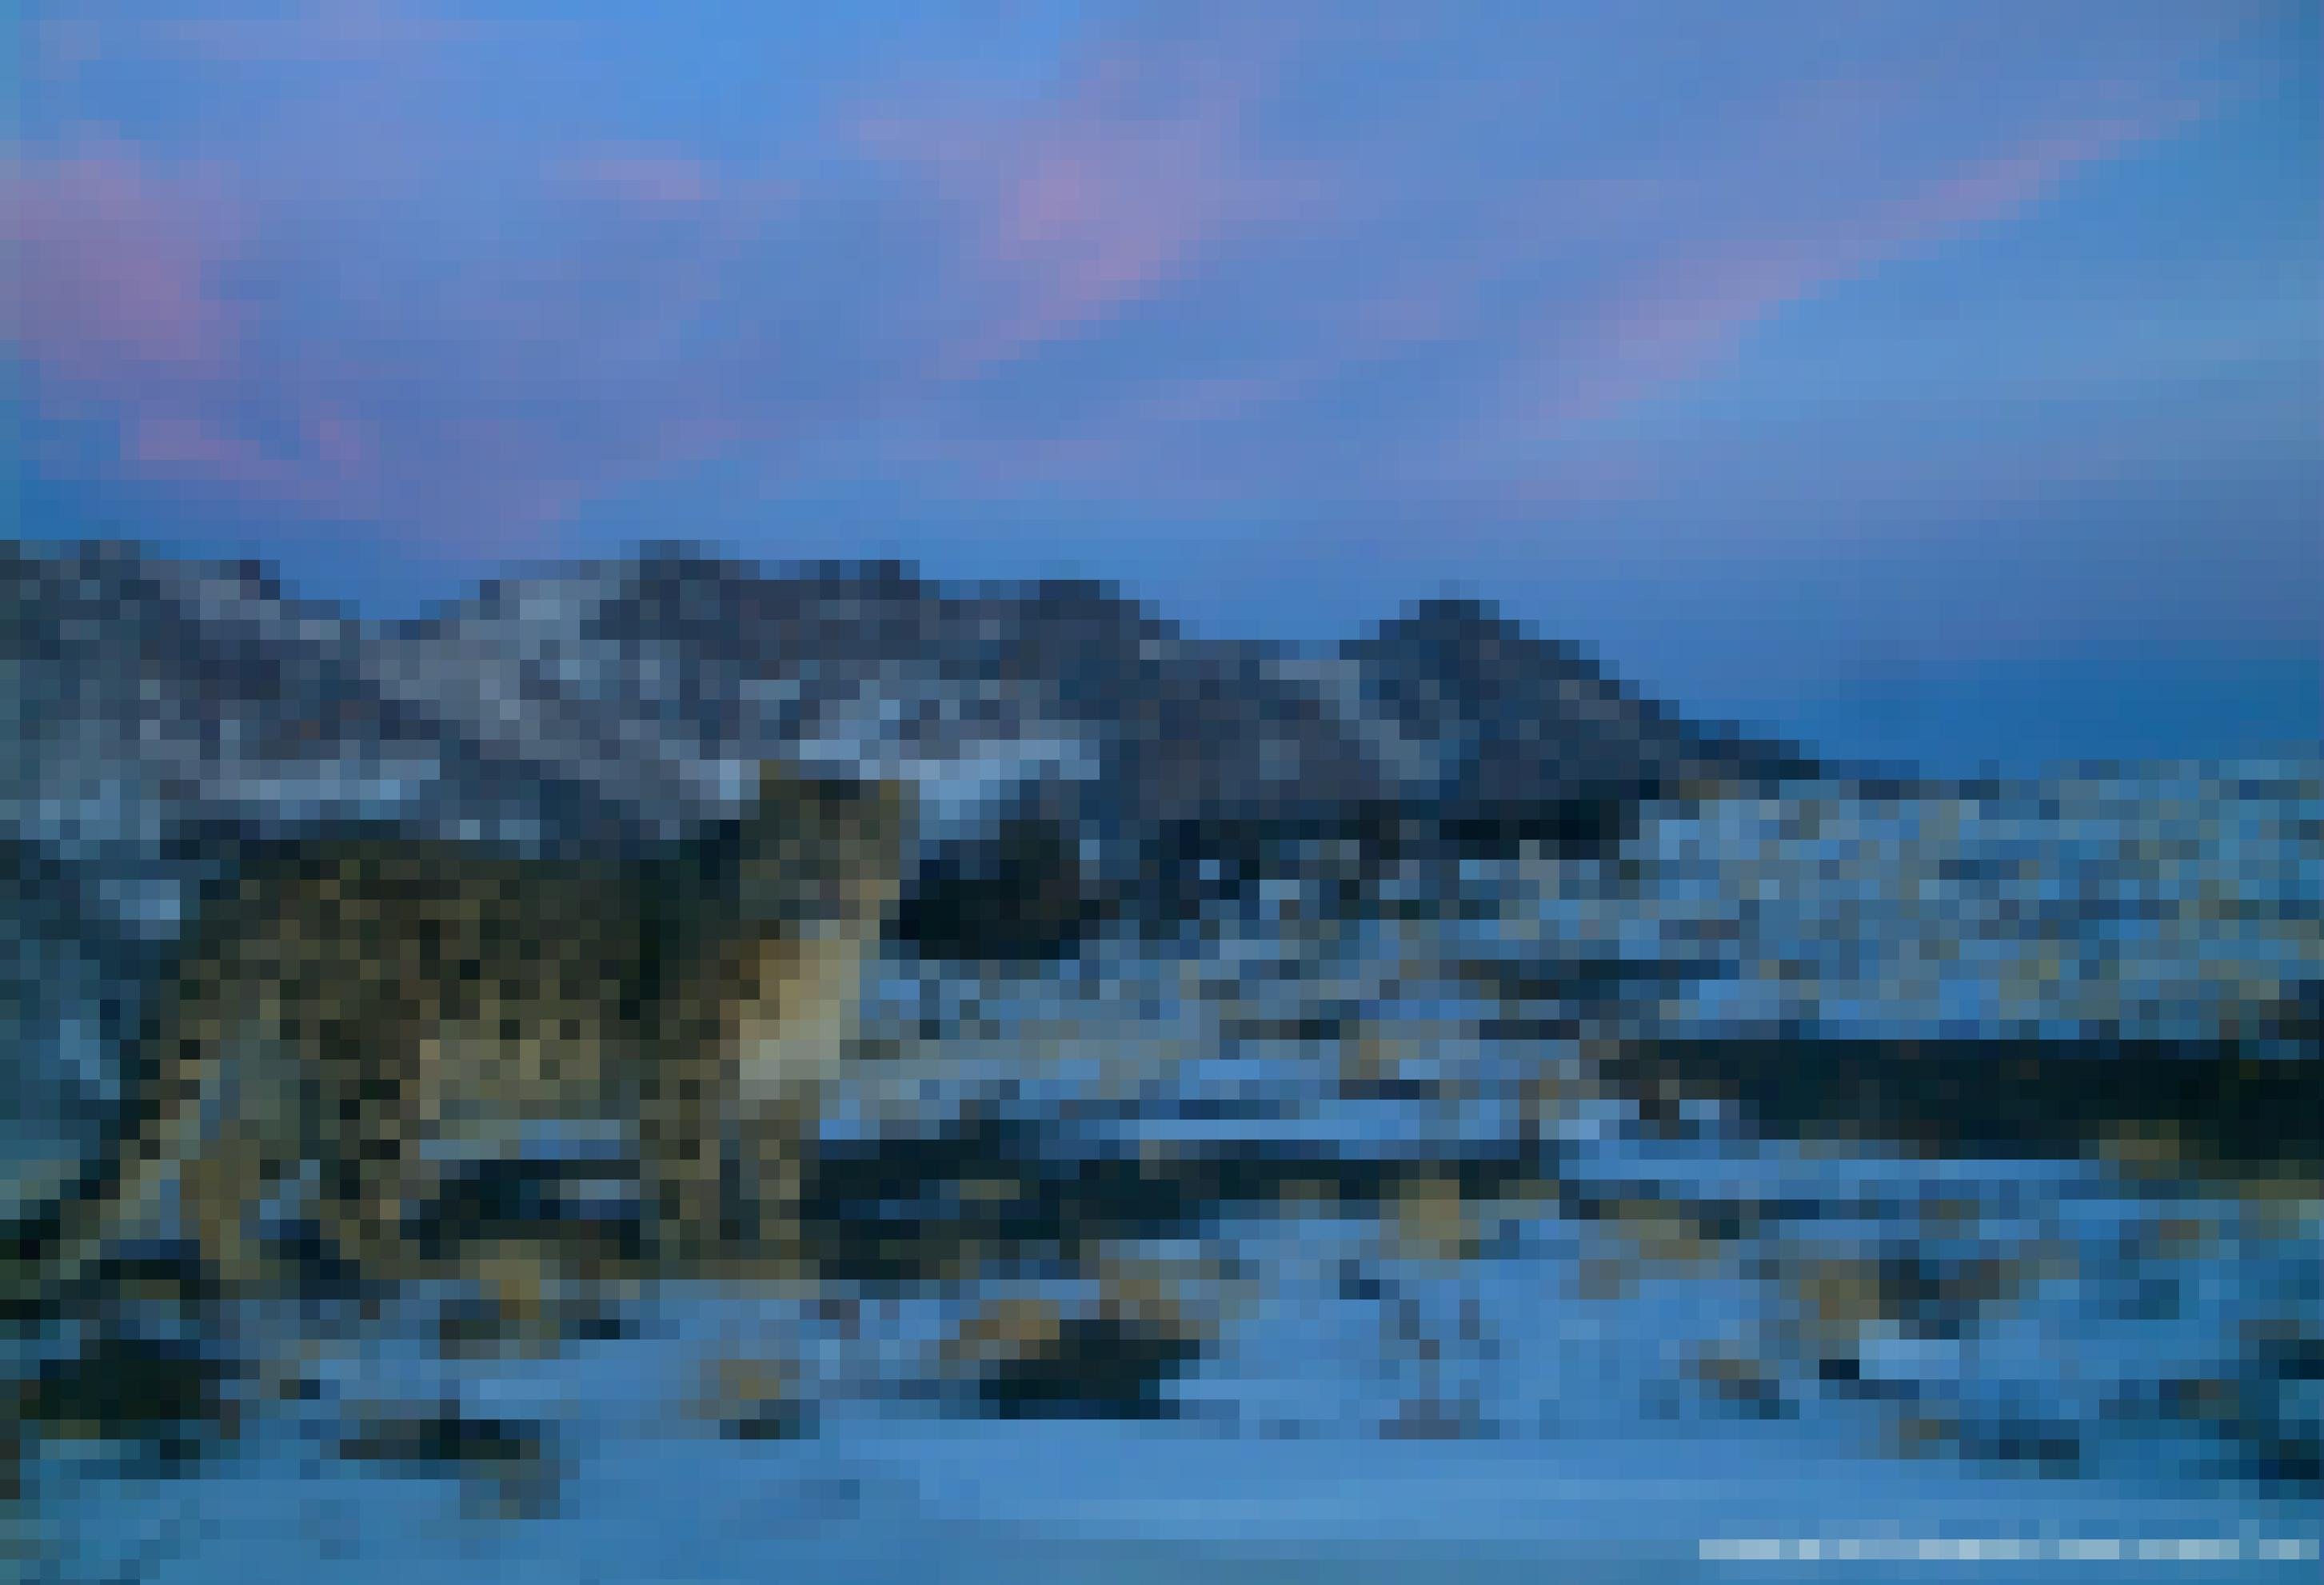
[(1639, 1339)]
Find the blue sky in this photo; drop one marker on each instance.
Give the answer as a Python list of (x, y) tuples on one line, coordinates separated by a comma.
[(1931, 380)]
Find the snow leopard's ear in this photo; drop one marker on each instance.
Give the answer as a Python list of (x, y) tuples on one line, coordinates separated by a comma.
[(893, 807), (779, 784), (880, 808)]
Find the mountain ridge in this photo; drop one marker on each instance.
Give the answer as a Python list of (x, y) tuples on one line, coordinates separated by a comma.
[(626, 682)]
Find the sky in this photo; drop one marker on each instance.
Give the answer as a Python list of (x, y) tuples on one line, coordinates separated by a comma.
[(1931, 381)]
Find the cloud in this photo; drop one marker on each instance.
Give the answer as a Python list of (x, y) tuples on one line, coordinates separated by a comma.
[(473, 399), (1199, 259), (1075, 211), (1680, 319), (116, 269), (1518, 304)]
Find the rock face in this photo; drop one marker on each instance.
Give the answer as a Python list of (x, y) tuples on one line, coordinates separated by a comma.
[(1083, 764), (156, 701), (1020, 895), (1509, 720), (1307, 1015)]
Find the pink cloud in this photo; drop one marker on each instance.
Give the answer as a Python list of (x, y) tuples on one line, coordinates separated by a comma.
[(616, 311), (190, 445), (1079, 210), (120, 301), (326, 470), (516, 390), (1994, 188), (116, 269), (1673, 299), (340, 442), (1679, 317)]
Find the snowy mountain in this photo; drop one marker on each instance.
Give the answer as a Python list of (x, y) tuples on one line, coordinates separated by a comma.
[(1089, 771)]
